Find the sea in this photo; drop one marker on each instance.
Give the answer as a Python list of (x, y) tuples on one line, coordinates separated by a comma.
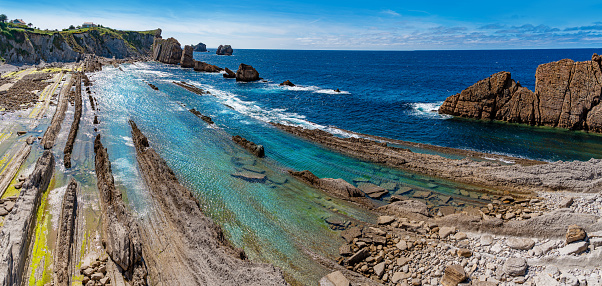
[(282, 221)]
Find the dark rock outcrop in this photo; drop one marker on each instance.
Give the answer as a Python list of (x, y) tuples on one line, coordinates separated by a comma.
[(19, 225), (255, 149), (191, 87), (205, 67), (121, 234), (187, 61), (186, 247), (567, 95), (224, 50), (229, 73), (246, 73), (62, 252), (200, 47), (75, 124), (167, 51), (201, 116), (287, 83)]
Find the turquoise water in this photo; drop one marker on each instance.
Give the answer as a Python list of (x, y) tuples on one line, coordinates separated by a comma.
[(281, 221)]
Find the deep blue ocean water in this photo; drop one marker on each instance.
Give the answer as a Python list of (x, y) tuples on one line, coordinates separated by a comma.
[(281, 220), (393, 94)]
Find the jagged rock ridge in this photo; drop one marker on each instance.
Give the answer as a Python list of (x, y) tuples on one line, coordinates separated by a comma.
[(567, 95)]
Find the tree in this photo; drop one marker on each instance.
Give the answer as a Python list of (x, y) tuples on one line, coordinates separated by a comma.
[(3, 18), (30, 25), (71, 27)]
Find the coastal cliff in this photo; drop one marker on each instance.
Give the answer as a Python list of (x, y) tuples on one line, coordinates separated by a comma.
[(24, 46), (567, 95)]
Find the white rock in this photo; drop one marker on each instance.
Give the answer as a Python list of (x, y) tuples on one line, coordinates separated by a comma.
[(573, 248), (545, 248), (544, 279), (402, 245), (520, 243), (486, 240)]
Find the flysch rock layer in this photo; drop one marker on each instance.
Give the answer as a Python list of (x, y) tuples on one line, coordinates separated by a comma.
[(63, 250), (167, 51), (182, 245), (76, 119), (121, 234), (567, 95), (20, 223), (59, 115), (13, 167), (572, 176)]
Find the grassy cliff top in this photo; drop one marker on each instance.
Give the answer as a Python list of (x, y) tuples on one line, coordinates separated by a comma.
[(9, 29)]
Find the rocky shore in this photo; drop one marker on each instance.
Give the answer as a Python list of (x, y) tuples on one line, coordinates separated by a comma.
[(76, 119), (182, 245), (567, 95), (572, 176)]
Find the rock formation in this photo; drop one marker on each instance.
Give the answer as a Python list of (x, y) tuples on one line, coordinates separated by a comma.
[(66, 231), (567, 95), (201, 116), (225, 50), (246, 73), (287, 83), (75, 124), (121, 235), (167, 51), (190, 87), (229, 73), (205, 67), (255, 149), (186, 60), (22, 46), (59, 115), (200, 47), (19, 225), (185, 247)]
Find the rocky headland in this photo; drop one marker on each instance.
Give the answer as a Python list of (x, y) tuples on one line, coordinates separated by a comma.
[(567, 95)]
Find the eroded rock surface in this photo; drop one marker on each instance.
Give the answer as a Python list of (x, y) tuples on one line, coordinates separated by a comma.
[(567, 95), (167, 51), (185, 247), (246, 73), (255, 149), (62, 252), (187, 61), (225, 50), (75, 124)]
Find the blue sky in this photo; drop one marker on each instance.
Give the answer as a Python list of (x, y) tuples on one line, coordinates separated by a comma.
[(351, 24)]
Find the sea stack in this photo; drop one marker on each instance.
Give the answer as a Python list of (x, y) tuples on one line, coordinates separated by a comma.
[(225, 50), (187, 61), (567, 95), (200, 47), (167, 51), (246, 73)]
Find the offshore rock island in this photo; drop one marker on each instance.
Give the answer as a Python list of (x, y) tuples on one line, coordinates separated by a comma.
[(123, 163)]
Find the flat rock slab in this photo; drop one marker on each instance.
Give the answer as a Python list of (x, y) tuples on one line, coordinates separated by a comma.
[(250, 177), (404, 190), (389, 186), (372, 190), (520, 243), (253, 169), (573, 248), (335, 279), (422, 194)]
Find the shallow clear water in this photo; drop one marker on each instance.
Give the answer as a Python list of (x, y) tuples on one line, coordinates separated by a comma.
[(281, 221)]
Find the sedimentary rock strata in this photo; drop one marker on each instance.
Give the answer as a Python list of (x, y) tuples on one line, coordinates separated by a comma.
[(335, 187), (201, 116), (75, 124), (18, 227), (200, 47), (246, 73), (63, 250), (191, 87), (59, 115), (575, 176), (229, 73), (255, 149), (20, 95), (567, 95), (185, 247), (167, 51), (187, 61), (121, 235), (225, 50), (205, 67)]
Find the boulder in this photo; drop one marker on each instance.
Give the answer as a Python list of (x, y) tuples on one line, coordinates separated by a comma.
[(445, 231), (515, 266), (463, 252), (574, 248), (359, 256), (335, 279), (385, 219), (379, 269), (200, 47), (246, 73), (205, 67), (574, 233), (167, 51), (520, 243), (186, 61), (351, 233), (229, 73), (287, 83), (454, 274), (225, 50)]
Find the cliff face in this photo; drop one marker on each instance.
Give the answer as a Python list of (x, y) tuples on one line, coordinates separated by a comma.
[(21, 46), (567, 95), (167, 51)]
